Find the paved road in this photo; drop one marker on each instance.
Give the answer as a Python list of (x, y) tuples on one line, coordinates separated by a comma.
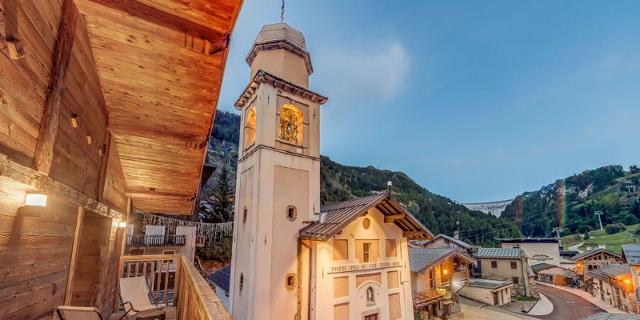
[(567, 306)]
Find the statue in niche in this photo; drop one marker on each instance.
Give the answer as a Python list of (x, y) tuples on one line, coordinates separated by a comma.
[(290, 124), (371, 296)]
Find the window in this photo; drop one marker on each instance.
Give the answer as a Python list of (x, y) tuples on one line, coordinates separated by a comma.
[(514, 265), (494, 264), (340, 249), (292, 213), (290, 128), (391, 247), (366, 247), (241, 282), (291, 281), (367, 251), (515, 280), (432, 279), (244, 215), (250, 127)]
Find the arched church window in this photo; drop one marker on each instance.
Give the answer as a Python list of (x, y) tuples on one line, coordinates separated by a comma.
[(290, 127), (250, 127)]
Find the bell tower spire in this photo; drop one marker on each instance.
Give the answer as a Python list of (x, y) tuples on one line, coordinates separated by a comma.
[(278, 181)]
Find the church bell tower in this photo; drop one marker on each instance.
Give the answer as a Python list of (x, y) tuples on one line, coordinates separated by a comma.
[(278, 179)]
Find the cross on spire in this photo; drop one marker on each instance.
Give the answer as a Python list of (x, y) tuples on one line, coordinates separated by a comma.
[(282, 12)]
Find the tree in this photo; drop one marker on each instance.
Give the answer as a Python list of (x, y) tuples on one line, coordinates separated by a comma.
[(629, 219), (614, 228), (222, 198)]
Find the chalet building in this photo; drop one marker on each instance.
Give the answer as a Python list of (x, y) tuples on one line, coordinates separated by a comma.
[(631, 256), (613, 284), (553, 274), (445, 241), (105, 108), (537, 250), (437, 275), (592, 260), (506, 264), (292, 257)]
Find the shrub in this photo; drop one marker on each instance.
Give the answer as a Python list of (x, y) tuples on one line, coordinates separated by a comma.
[(614, 228), (583, 228), (586, 236), (629, 219)]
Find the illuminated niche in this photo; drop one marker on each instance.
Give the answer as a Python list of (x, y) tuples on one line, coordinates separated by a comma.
[(290, 128), (250, 127)]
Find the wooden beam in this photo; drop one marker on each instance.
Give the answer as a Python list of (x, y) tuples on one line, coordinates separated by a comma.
[(414, 234), (104, 165), (74, 257), (171, 18), (392, 218), (59, 67)]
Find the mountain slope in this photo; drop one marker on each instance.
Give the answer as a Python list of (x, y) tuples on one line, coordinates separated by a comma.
[(571, 203), (339, 183)]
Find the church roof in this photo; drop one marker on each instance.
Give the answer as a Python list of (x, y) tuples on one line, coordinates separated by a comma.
[(280, 36), (265, 77), (504, 253), (334, 217)]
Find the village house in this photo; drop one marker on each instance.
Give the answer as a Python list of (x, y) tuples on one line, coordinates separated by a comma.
[(592, 260), (631, 256), (445, 241), (294, 258), (105, 108), (506, 264), (553, 274), (537, 250), (613, 284), (491, 292), (437, 275)]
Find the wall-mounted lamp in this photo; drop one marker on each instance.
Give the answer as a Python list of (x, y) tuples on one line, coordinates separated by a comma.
[(35, 200), (34, 204), (445, 271), (122, 224)]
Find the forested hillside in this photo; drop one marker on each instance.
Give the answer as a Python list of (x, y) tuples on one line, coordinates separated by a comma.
[(571, 203), (339, 182)]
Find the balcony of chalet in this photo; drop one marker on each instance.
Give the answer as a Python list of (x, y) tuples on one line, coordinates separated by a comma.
[(106, 107)]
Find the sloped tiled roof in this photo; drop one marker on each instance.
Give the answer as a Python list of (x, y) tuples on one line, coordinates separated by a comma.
[(221, 278), (612, 270), (423, 258), (451, 239), (631, 253), (591, 252), (541, 266), (334, 217), (612, 316), (488, 284), (500, 253)]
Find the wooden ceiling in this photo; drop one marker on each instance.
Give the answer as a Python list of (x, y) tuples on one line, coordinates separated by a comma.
[(160, 64)]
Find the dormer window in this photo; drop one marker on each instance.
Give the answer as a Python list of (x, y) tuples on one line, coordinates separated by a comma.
[(290, 127)]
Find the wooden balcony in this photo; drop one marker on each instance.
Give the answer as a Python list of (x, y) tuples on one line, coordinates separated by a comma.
[(174, 280), (143, 240)]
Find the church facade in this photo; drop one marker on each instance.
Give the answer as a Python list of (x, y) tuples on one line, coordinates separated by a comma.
[(293, 258)]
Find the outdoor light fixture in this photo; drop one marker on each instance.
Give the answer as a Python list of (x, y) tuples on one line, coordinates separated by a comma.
[(34, 205), (627, 281), (445, 271), (35, 200), (122, 224)]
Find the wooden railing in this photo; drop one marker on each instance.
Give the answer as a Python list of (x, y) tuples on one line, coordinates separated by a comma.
[(174, 280), (196, 299), (143, 240)]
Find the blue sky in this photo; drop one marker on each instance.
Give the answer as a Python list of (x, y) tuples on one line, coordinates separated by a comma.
[(475, 100)]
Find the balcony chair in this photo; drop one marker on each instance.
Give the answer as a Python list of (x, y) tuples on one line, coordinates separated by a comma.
[(77, 313), (136, 299)]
